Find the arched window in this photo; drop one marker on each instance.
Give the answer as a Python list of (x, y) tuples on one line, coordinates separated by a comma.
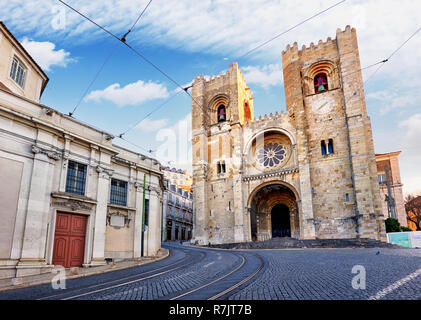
[(247, 113), (330, 146), (320, 83), (222, 114), (323, 147)]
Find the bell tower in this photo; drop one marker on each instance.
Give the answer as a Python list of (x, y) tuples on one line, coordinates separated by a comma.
[(221, 106), (325, 100)]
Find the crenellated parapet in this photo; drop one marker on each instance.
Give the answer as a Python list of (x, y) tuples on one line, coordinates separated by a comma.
[(228, 89), (320, 46), (277, 117)]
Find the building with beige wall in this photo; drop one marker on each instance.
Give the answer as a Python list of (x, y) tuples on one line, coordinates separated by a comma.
[(307, 173), (178, 177), (389, 173), (178, 205), (69, 195), (19, 73)]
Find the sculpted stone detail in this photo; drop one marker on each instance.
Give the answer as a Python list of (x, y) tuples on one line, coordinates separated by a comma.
[(49, 153), (118, 220), (279, 173), (73, 205), (104, 172)]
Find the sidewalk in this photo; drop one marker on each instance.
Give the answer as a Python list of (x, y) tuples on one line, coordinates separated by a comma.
[(72, 273)]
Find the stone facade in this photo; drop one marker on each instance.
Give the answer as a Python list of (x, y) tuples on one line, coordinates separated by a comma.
[(389, 162), (37, 147), (307, 173)]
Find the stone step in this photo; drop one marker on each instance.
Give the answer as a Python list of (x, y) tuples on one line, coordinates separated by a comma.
[(316, 243)]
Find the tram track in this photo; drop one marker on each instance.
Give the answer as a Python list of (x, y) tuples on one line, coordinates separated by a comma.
[(210, 274), (106, 285), (240, 283), (228, 290)]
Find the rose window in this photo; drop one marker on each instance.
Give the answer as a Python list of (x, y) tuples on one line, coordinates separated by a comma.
[(271, 155)]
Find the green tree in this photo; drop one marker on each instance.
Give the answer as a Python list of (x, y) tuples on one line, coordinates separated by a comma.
[(392, 225)]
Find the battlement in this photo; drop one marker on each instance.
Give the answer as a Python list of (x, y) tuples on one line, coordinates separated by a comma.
[(320, 45), (270, 117), (224, 76)]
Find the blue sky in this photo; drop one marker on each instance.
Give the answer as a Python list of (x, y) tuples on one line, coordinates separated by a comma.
[(189, 38)]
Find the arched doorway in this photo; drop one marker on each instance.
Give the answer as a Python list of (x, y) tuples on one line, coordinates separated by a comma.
[(280, 220), (274, 212)]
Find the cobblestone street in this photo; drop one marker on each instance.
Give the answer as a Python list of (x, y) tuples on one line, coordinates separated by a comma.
[(297, 274)]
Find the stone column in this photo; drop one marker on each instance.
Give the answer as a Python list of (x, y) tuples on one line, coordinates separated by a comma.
[(238, 204), (137, 247), (100, 223), (164, 216), (307, 230), (64, 163), (154, 230), (33, 255)]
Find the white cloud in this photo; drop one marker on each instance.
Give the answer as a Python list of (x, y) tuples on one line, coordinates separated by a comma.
[(131, 94), (45, 55), (148, 125), (175, 143), (265, 76), (226, 28), (393, 99)]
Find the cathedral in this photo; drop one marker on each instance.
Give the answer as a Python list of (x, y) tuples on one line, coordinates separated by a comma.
[(306, 173)]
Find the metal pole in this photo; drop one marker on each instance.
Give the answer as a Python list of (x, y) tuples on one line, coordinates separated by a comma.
[(143, 215), (391, 200)]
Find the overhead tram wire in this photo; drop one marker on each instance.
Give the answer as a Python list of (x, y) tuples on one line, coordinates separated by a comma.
[(144, 149), (393, 53), (165, 74), (106, 60), (123, 38), (150, 113), (319, 13), (382, 63), (123, 41), (290, 29), (93, 80)]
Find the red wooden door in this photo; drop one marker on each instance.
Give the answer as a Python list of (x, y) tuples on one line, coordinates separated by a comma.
[(69, 240)]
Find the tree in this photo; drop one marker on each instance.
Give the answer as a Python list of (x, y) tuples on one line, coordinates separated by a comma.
[(392, 225), (413, 211)]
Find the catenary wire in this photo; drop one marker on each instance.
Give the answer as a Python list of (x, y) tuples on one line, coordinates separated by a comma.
[(382, 63), (150, 113), (122, 40), (259, 46), (93, 80), (290, 29), (106, 60), (393, 53)]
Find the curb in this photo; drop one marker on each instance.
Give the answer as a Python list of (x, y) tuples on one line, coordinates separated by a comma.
[(285, 249), (32, 284)]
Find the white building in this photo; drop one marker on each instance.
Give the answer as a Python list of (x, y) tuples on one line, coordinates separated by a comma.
[(68, 195)]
